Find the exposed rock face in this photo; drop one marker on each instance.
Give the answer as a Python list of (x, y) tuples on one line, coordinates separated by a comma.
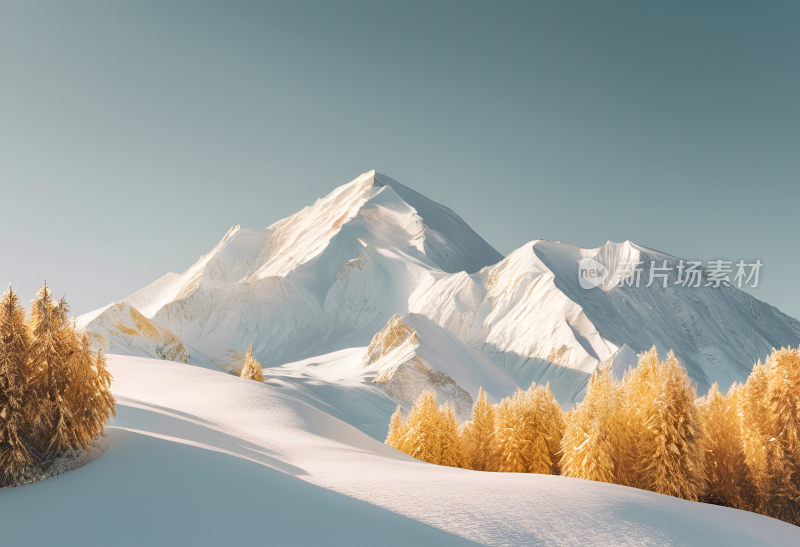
[(120, 328), (401, 371)]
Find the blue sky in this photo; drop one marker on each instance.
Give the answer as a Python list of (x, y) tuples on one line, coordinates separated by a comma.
[(133, 134)]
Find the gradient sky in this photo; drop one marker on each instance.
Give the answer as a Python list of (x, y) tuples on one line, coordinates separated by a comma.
[(133, 134)]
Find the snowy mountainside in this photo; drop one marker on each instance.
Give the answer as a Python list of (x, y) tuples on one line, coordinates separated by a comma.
[(716, 332), (332, 276)]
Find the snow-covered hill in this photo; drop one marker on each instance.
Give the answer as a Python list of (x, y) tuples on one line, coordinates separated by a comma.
[(332, 276), (198, 457)]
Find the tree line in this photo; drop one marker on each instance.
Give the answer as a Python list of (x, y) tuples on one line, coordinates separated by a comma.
[(650, 430), (54, 388)]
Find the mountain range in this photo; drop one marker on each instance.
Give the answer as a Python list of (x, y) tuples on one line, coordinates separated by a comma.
[(414, 299)]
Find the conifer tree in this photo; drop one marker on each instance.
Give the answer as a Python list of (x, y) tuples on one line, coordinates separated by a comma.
[(54, 393), (727, 475), (754, 428), (665, 425), (449, 444), (549, 420), (87, 396), (780, 479), (48, 356), (14, 396), (397, 430), (422, 429), (104, 400), (594, 433), (251, 369), (520, 436), (478, 436)]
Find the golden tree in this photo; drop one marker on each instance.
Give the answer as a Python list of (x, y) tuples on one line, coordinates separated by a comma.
[(52, 347), (477, 436), (103, 400), (594, 433), (449, 445), (665, 427), (422, 439), (71, 387), (251, 369), (727, 476), (520, 436), (777, 469), (87, 396), (754, 431), (14, 397), (397, 430), (549, 420)]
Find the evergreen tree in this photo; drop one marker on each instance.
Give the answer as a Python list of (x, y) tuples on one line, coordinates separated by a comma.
[(54, 393), (87, 396), (665, 424), (727, 475), (781, 478), (520, 436), (397, 430), (104, 400), (754, 429), (48, 358), (549, 420), (478, 436), (14, 397), (422, 429), (73, 394), (251, 369), (594, 433), (449, 444)]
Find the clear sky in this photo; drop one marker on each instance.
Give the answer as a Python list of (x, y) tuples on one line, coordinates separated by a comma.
[(132, 134)]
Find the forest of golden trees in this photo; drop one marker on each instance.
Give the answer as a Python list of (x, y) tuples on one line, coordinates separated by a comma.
[(54, 389), (650, 431)]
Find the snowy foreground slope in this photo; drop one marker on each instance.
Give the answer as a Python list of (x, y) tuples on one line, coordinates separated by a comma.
[(199, 457), (336, 273)]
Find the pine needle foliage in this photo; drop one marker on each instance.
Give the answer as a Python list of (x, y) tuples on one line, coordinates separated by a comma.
[(665, 428), (728, 480), (593, 438), (477, 436), (54, 391), (14, 395)]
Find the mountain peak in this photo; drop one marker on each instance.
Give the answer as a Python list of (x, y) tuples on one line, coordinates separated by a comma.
[(374, 210)]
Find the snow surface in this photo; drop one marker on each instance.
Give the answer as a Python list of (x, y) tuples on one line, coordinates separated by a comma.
[(200, 457)]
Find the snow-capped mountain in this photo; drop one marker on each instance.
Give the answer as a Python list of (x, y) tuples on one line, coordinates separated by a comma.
[(334, 275)]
